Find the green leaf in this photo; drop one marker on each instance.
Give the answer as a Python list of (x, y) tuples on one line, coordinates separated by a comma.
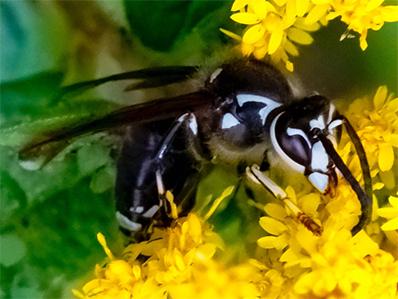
[(60, 233), (92, 157), (103, 179), (17, 136), (11, 196), (28, 96), (159, 24), (26, 292), (12, 249)]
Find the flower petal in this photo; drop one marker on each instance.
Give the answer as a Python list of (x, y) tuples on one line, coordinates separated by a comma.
[(261, 8), (272, 225), (275, 41), (231, 34), (316, 14), (270, 242), (300, 36), (239, 4), (275, 211), (380, 97), (388, 212), (245, 18), (253, 34), (302, 7), (393, 200), (291, 48), (386, 156), (373, 4), (390, 225), (389, 13)]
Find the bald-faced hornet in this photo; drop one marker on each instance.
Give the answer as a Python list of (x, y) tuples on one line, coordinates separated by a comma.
[(245, 114)]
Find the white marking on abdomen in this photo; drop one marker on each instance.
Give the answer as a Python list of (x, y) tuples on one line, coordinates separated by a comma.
[(152, 211), (127, 223), (137, 210)]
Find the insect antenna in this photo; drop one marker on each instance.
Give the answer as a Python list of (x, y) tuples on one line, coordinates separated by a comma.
[(364, 198), (361, 155)]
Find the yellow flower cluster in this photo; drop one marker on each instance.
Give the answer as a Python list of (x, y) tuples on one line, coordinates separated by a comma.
[(177, 262), (377, 127), (274, 27), (333, 265), (186, 259)]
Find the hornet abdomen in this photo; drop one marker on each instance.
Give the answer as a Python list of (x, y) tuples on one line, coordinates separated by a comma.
[(137, 197)]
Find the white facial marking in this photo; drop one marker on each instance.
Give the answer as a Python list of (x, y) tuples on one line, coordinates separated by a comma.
[(137, 210), (319, 180), (318, 123), (152, 211), (127, 223), (215, 74), (264, 112), (295, 131), (229, 121), (294, 165), (334, 124), (331, 111), (320, 158)]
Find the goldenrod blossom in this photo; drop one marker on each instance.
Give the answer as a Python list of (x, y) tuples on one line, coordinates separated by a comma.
[(376, 122), (333, 264), (390, 213), (274, 27)]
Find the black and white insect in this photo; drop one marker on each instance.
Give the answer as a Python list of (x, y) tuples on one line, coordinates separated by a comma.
[(245, 114)]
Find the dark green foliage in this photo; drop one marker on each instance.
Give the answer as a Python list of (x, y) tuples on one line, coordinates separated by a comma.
[(160, 24)]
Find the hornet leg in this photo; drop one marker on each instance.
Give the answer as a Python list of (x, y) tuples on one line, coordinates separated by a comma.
[(253, 173), (188, 123)]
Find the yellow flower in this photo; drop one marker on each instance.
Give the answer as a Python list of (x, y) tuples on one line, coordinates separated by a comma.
[(390, 213), (345, 267), (362, 15), (274, 27), (376, 123), (176, 262), (333, 264)]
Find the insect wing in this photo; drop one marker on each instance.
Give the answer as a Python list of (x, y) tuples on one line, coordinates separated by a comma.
[(152, 77), (50, 143)]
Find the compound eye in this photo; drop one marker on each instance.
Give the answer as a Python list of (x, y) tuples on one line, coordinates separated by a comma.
[(296, 146)]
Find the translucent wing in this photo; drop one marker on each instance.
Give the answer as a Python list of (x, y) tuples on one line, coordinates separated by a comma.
[(150, 77), (50, 143)]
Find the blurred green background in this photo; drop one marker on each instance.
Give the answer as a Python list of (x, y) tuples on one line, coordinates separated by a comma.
[(49, 218)]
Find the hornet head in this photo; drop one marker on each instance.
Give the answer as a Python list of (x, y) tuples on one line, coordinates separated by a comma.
[(294, 135)]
